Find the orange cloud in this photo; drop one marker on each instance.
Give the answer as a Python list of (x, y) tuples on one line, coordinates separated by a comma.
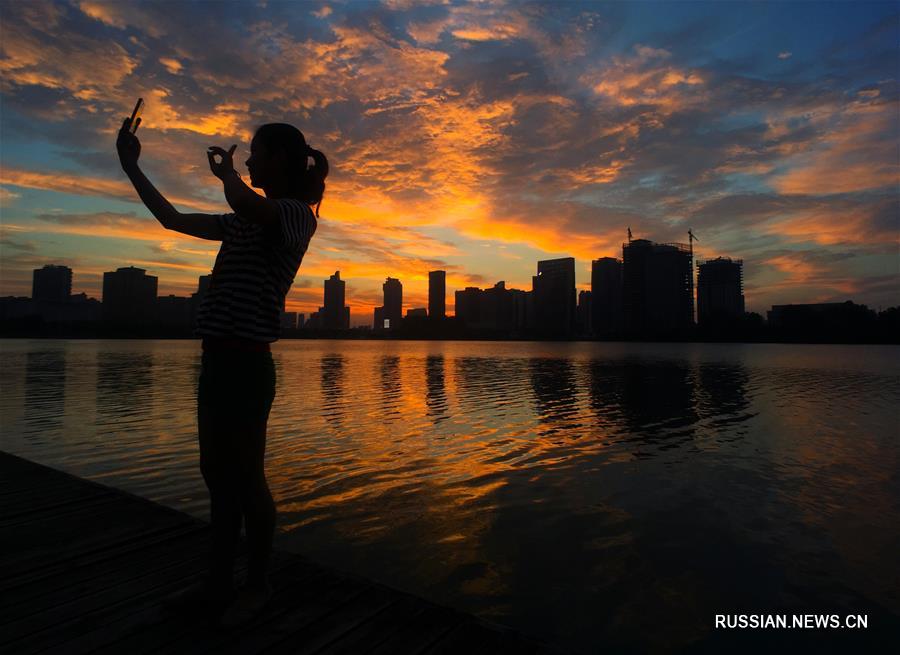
[(31, 57), (121, 16), (858, 151), (495, 32), (548, 233), (103, 225), (799, 272), (172, 65), (427, 32), (830, 223), (646, 79), (83, 185), (226, 119)]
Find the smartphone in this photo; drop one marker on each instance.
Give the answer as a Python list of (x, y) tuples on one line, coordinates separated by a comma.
[(135, 115)]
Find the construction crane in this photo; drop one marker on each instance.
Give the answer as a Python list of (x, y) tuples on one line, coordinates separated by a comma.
[(691, 239)]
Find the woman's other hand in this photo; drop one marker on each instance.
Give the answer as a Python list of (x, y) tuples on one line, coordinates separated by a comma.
[(128, 145), (226, 166)]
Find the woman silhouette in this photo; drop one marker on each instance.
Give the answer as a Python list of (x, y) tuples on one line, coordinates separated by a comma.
[(263, 243)]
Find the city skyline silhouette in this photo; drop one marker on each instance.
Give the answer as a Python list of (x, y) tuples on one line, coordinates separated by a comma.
[(644, 296)]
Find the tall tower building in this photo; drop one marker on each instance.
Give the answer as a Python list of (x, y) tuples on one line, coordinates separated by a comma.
[(720, 291), (51, 283), (393, 302), (656, 286), (129, 296), (437, 293), (335, 315), (554, 297), (606, 296)]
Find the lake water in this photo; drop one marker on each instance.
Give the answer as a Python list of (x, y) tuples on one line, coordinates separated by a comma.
[(604, 496)]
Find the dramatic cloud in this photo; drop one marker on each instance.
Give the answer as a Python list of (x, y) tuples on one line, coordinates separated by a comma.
[(82, 185), (472, 137)]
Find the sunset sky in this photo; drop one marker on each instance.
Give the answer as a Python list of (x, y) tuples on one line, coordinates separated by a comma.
[(476, 138)]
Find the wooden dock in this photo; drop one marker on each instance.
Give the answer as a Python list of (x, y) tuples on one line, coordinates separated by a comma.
[(84, 568)]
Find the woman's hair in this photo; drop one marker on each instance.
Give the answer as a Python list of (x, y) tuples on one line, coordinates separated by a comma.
[(310, 182)]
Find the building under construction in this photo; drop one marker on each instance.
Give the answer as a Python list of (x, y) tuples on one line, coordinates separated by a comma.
[(657, 288), (720, 291)]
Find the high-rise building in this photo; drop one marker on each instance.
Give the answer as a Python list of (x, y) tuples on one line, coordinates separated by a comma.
[(468, 306), (51, 283), (314, 322), (174, 312), (129, 296), (606, 296), (335, 315), (393, 302), (583, 313), (496, 307), (554, 297), (522, 309), (720, 291), (437, 292), (657, 287)]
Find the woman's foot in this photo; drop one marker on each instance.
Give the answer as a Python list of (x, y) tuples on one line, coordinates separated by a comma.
[(249, 603)]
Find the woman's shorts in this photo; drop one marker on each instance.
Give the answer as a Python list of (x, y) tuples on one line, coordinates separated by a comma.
[(237, 386)]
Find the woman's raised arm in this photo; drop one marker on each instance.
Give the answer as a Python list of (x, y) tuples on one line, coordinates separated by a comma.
[(129, 148)]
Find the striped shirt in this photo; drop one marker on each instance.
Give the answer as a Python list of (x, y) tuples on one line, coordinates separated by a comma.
[(253, 273)]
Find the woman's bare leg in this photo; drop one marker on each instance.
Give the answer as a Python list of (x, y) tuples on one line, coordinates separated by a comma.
[(216, 464), (256, 502)]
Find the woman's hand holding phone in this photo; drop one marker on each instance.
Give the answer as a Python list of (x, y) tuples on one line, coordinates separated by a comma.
[(127, 143)]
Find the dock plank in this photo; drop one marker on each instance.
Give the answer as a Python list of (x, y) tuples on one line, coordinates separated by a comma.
[(316, 635), (376, 629), (421, 631), (84, 569)]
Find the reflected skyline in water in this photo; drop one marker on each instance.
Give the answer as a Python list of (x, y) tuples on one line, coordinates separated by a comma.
[(582, 489)]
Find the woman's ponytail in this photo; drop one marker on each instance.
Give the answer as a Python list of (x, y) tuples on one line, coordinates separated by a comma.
[(313, 184)]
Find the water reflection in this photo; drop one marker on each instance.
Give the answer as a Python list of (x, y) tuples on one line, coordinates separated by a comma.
[(331, 370), (45, 398), (722, 399), (124, 389), (554, 387), (650, 400), (490, 385), (435, 391), (391, 386)]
